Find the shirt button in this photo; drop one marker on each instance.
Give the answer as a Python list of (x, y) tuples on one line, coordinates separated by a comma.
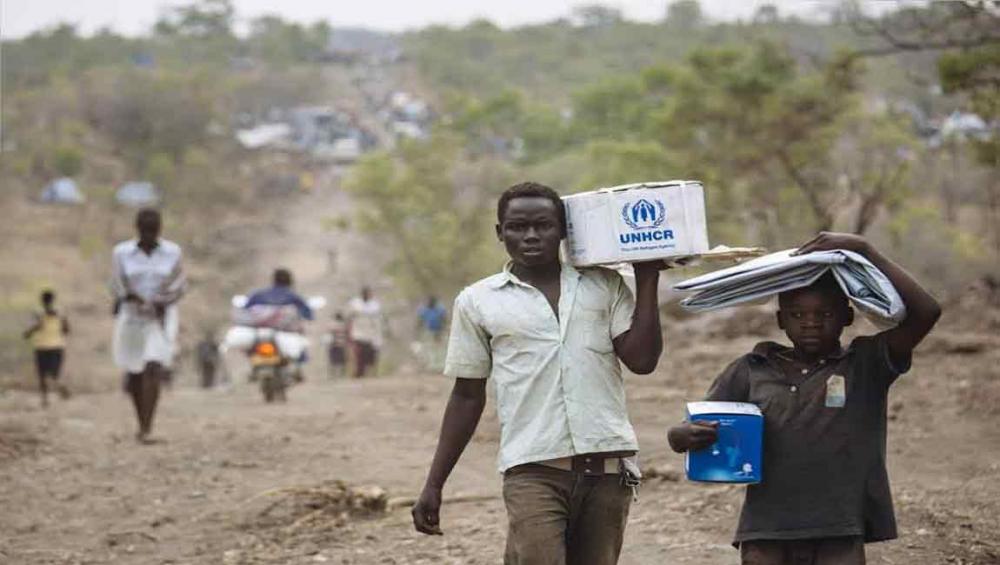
[(793, 388), (804, 371), (822, 361)]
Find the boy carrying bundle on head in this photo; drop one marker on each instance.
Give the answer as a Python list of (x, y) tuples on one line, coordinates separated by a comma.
[(826, 490)]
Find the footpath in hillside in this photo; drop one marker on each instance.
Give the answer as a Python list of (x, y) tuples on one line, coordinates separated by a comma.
[(329, 476), (239, 481)]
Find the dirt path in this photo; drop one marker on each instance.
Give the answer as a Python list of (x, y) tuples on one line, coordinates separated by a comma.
[(76, 489), (241, 482)]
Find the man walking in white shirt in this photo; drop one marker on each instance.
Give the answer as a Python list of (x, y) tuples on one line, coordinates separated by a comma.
[(550, 336), (365, 319), (148, 281)]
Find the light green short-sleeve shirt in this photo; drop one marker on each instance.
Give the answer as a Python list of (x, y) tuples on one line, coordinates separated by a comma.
[(559, 388)]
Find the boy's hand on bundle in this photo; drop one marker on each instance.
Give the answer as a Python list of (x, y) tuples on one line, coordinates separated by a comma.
[(827, 241), (692, 436)]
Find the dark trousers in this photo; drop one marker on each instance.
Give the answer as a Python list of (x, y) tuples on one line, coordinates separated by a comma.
[(207, 369), (848, 550), (48, 362), (365, 357), (561, 517)]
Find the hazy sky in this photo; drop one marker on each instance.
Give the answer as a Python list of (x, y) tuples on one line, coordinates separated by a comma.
[(21, 17)]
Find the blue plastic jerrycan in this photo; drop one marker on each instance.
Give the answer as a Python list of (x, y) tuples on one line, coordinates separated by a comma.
[(736, 455)]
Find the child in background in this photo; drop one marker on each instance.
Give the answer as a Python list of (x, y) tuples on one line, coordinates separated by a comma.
[(337, 339), (825, 490), (48, 338)]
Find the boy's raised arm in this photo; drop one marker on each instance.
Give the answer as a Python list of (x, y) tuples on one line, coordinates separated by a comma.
[(922, 310)]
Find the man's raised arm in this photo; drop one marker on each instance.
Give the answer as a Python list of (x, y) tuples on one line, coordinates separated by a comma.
[(640, 347)]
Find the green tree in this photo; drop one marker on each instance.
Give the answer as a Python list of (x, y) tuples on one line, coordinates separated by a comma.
[(433, 207), (68, 161), (621, 162), (596, 15), (968, 34), (873, 158), (766, 14), (760, 131), (199, 33), (279, 42), (145, 113), (162, 171), (200, 19), (684, 14), (976, 74), (615, 108), (754, 118)]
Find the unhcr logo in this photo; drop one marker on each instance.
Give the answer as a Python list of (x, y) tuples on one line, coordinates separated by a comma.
[(645, 217)]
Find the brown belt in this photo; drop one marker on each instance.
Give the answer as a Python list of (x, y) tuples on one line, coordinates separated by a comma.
[(588, 463)]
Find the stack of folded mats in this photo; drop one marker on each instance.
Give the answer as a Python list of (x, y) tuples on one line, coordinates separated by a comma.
[(868, 288)]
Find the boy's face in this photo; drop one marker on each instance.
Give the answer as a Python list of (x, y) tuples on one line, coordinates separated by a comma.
[(531, 231), (813, 320)]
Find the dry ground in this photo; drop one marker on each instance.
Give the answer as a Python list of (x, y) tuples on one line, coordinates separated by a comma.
[(240, 482), (232, 483)]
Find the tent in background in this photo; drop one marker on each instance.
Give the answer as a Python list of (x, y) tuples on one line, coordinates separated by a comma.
[(62, 191)]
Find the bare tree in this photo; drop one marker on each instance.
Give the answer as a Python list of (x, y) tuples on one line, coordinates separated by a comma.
[(968, 32), (938, 26)]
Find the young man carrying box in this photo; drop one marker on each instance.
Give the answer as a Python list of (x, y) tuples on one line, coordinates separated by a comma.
[(825, 489), (550, 336)]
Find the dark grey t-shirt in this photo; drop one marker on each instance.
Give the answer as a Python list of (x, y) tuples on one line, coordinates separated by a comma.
[(824, 443)]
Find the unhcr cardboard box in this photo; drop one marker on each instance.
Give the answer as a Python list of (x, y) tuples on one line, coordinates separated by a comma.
[(735, 457), (636, 222)]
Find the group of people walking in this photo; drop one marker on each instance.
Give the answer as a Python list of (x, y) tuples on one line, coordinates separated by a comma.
[(147, 281), (551, 339)]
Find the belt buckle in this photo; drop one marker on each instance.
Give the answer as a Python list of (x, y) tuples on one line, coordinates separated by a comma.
[(589, 465)]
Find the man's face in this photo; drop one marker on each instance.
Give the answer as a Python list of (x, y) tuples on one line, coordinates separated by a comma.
[(813, 320), (148, 228), (531, 231)]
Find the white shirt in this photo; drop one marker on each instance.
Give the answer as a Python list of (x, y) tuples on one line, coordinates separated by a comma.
[(559, 388), (157, 275), (366, 320)]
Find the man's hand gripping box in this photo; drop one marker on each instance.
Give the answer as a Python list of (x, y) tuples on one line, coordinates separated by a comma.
[(636, 222), (735, 457)]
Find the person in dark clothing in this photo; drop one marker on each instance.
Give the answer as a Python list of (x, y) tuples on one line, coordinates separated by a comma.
[(207, 354), (281, 294), (338, 339), (825, 491), (432, 317)]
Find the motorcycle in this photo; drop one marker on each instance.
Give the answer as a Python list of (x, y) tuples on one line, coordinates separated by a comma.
[(269, 367), (272, 338)]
